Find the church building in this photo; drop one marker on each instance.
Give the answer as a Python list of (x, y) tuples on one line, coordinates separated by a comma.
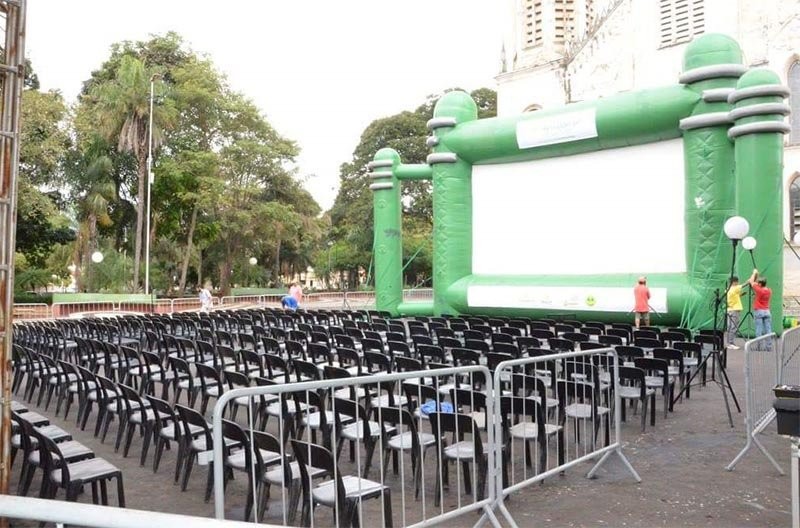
[(563, 51)]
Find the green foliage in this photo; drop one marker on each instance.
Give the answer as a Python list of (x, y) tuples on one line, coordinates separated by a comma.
[(24, 297), (351, 215)]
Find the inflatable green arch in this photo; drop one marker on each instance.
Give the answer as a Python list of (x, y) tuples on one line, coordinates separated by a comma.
[(727, 120)]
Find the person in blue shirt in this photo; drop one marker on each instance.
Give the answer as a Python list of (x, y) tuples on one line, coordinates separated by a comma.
[(289, 303)]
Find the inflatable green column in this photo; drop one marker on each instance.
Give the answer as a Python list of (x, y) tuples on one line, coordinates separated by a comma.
[(388, 241), (759, 113), (711, 66), (452, 199)]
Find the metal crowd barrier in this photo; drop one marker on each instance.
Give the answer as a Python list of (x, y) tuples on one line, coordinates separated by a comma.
[(762, 366), (790, 357), (416, 494), (28, 311), (570, 408), (92, 516), (418, 294)]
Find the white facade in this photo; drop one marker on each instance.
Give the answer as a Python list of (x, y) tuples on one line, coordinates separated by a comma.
[(561, 51)]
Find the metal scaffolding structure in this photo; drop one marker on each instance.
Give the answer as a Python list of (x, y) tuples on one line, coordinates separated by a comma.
[(12, 76)]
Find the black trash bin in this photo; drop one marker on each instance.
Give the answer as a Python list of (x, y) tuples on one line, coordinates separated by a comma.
[(787, 407)]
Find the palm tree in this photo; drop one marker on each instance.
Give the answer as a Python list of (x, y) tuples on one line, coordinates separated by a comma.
[(122, 111), (93, 206)]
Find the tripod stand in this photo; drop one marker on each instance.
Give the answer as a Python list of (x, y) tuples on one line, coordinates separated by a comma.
[(714, 355)]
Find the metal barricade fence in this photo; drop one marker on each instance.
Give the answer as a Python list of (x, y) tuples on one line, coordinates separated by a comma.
[(191, 304), (560, 403), (92, 516), (233, 300), (71, 309), (359, 300), (30, 311), (324, 300), (762, 364), (415, 495), (418, 294), (790, 357)]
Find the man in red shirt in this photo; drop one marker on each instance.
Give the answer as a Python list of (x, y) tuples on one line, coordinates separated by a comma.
[(641, 294), (761, 312)]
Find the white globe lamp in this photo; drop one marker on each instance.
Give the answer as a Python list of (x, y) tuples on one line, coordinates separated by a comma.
[(97, 257), (253, 261), (749, 243), (736, 228)]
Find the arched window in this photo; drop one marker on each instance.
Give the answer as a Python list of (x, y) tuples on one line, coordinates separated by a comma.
[(532, 108), (794, 205), (794, 101)]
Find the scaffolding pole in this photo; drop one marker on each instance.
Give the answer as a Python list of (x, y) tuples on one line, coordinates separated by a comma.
[(12, 72)]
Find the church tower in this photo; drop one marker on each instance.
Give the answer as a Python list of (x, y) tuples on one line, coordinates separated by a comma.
[(543, 27), (540, 32)]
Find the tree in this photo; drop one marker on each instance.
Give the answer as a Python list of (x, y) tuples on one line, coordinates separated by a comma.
[(121, 107), (405, 132), (44, 139)]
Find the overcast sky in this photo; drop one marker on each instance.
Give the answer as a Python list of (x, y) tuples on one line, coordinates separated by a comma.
[(320, 70)]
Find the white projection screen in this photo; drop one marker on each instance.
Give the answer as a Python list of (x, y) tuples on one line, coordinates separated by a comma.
[(612, 211)]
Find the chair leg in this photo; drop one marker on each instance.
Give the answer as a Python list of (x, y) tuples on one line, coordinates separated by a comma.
[(148, 434), (159, 447), (644, 413), (121, 428), (209, 482), (120, 491), (130, 430), (467, 479), (653, 409), (187, 470), (387, 508), (179, 460), (104, 492)]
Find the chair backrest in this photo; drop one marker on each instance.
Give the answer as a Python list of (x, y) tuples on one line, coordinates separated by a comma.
[(209, 376), (305, 369), (576, 336), (670, 337), (319, 352), (406, 364), (464, 356), (669, 355), (188, 417), (619, 332), (162, 409), (634, 377), (477, 344), (653, 366), (628, 353), (316, 456), (685, 332), (459, 425), (397, 348), (647, 342), (506, 348), (129, 397), (429, 353), (590, 345), (609, 340), (377, 362), (516, 406), (561, 345)]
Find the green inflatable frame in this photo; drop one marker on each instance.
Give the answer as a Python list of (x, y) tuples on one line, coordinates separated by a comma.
[(731, 121)]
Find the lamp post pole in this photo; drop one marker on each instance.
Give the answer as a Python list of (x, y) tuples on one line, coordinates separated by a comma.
[(149, 184)]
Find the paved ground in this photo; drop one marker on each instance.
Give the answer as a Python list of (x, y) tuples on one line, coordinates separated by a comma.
[(681, 463)]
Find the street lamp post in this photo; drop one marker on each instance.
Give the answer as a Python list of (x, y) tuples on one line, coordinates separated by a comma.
[(149, 184)]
